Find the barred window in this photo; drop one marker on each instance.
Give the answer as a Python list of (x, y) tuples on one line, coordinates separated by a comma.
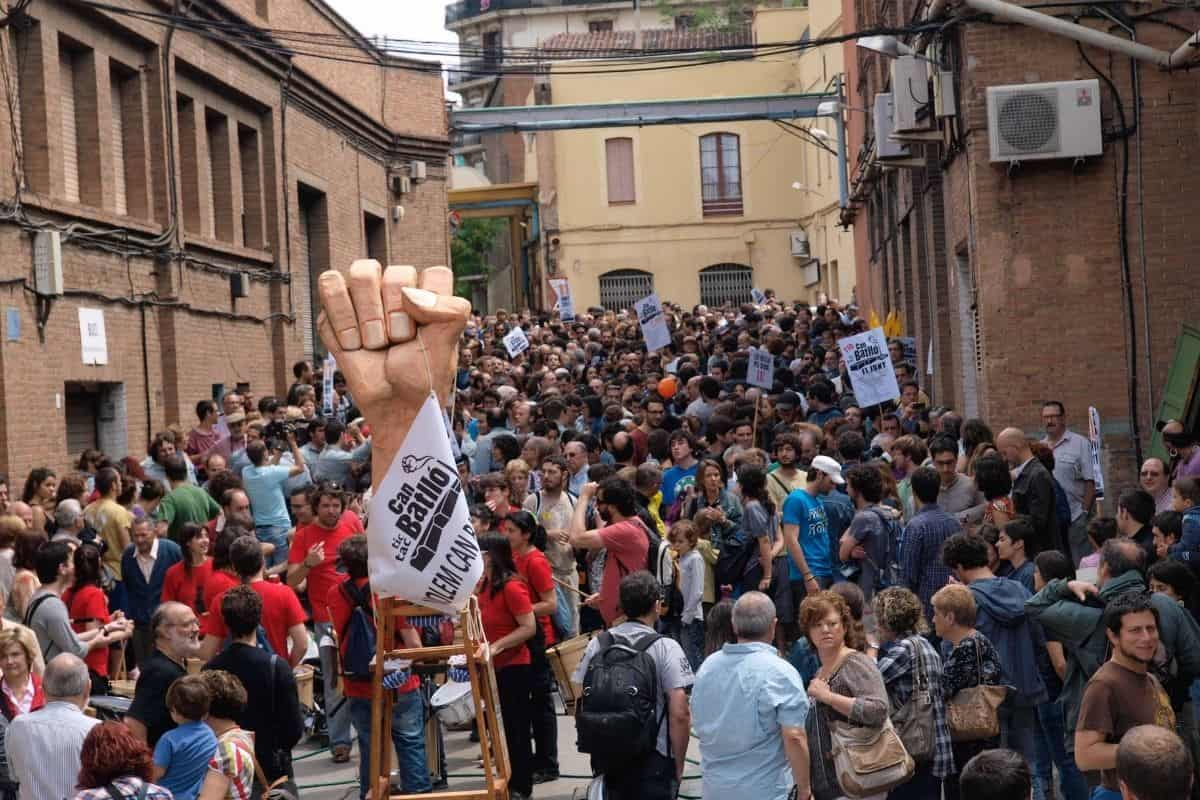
[(726, 283), (621, 288)]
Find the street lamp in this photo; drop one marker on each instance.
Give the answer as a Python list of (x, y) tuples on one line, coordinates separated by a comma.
[(890, 46)]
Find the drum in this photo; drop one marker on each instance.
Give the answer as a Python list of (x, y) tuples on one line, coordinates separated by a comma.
[(454, 705), (304, 684), (564, 658)]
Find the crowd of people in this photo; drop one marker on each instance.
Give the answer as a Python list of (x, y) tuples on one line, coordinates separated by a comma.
[(788, 574)]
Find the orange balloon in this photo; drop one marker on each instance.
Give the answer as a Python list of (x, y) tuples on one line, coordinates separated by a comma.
[(667, 387)]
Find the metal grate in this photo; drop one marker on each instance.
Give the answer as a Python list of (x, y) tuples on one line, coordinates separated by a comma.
[(726, 283), (622, 288), (1029, 122)]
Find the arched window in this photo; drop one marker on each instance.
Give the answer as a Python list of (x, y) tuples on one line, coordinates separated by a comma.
[(621, 288), (726, 283), (721, 174)]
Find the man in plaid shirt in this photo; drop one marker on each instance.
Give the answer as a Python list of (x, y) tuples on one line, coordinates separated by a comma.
[(921, 567)]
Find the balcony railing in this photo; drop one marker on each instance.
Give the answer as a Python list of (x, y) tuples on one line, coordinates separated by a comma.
[(465, 9)]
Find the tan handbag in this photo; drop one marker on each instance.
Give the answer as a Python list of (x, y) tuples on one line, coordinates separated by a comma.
[(972, 712), (868, 761)]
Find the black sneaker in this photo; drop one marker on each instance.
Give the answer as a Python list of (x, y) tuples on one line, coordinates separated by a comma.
[(545, 775)]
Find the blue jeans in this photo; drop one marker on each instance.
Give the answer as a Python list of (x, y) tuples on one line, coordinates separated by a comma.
[(277, 536), (691, 636), (408, 736), (1052, 752), (337, 710), (1018, 730)]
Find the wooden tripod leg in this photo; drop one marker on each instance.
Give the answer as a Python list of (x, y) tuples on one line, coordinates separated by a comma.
[(381, 705)]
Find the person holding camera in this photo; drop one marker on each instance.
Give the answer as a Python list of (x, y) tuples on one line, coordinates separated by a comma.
[(263, 482)]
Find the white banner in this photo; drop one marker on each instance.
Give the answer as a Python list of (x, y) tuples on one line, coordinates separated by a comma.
[(327, 371), (91, 336), (515, 342), (420, 541), (1096, 442), (653, 323), (870, 367), (761, 369), (563, 300)]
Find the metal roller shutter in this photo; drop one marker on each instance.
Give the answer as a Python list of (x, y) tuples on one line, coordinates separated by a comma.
[(70, 141), (81, 412)]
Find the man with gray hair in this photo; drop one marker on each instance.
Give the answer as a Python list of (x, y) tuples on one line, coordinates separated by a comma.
[(43, 746), (175, 631), (68, 522), (748, 711)]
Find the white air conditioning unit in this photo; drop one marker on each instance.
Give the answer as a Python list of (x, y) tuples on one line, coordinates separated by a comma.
[(885, 148), (47, 263), (800, 246), (910, 94), (1037, 121), (416, 169), (944, 104)]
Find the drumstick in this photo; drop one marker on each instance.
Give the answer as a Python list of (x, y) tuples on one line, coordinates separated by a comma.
[(569, 587)]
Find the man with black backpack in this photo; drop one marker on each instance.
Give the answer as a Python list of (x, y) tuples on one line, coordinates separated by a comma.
[(633, 719), (353, 618), (872, 540)]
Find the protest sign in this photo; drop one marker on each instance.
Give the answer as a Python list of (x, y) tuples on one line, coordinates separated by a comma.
[(758, 297), (563, 300), (1096, 442), (653, 322), (870, 367), (761, 369), (327, 384), (515, 342)]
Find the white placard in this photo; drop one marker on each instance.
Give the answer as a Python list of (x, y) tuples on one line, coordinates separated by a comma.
[(327, 371), (761, 369), (420, 541), (515, 342), (91, 336), (1096, 441), (563, 302), (758, 297), (870, 367), (653, 323)]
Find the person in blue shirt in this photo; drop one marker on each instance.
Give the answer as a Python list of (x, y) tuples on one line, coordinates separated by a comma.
[(683, 470), (182, 754), (748, 711), (806, 531), (263, 484)]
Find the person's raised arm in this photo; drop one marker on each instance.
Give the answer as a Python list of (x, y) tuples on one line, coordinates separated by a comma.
[(580, 536), (297, 457)]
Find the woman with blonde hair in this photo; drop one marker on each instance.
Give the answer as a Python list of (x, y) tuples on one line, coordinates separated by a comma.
[(847, 689), (906, 658)]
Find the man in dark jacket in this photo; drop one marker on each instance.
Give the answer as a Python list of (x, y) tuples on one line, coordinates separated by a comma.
[(1001, 618), (1033, 488), (1073, 613), (274, 716)]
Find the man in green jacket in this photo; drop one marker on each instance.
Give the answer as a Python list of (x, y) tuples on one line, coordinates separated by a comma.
[(1072, 612)]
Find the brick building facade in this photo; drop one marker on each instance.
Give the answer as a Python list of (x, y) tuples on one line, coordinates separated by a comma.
[(1012, 278), (174, 162)]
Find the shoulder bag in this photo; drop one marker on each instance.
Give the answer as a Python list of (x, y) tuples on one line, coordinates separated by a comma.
[(868, 761), (914, 719), (972, 712)]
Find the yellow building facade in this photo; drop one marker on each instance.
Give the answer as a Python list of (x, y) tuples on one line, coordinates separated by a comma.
[(698, 213)]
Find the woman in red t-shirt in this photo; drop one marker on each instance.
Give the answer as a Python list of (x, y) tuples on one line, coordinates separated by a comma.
[(184, 582), (88, 608), (506, 609), (221, 575), (528, 541)]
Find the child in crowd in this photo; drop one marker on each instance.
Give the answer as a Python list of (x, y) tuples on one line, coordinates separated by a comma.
[(181, 755), (1099, 531), (683, 539)]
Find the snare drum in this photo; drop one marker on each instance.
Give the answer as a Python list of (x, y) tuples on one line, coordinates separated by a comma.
[(564, 659)]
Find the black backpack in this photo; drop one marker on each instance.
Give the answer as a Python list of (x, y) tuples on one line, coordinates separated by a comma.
[(733, 562), (616, 719)]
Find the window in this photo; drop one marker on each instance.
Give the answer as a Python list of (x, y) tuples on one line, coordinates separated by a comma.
[(189, 166), (252, 189), (726, 283), (621, 288), (600, 26), (493, 50), (720, 174), (376, 234), (80, 124), (618, 155), (313, 257), (128, 142), (220, 167)]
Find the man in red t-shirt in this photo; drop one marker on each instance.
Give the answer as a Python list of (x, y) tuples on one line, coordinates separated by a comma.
[(313, 558), (624, 537), (282, 615), (408, 710)]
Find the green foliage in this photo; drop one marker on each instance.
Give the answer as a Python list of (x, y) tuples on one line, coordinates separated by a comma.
[(469, 249), (718, 16)]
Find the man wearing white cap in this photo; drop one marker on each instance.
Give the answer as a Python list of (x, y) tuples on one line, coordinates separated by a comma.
[(806, 530)]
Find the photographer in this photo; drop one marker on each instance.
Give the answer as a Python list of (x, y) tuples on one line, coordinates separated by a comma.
[(263, 482)]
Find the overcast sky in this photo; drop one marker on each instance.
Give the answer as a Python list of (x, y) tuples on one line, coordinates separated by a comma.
[(422, 20)]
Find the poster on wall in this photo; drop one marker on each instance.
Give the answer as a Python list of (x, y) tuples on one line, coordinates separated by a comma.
[(92, 337)]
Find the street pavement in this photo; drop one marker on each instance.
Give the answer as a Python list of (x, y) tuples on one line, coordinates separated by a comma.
[(463, 759)]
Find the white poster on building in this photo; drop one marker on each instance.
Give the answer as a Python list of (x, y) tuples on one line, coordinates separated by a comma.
[(1097, 442), (91, 335), (653, 322), (870, 367), (761, 369), (515, 342)]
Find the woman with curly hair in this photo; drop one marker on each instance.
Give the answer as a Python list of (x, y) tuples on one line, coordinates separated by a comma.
[(906, 658), (115, 764), (41, 489), (847, 689), (231, 769)]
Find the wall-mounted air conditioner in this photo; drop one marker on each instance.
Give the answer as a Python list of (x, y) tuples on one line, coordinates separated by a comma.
[(910, 94), (885, 148), (1036, 121)]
